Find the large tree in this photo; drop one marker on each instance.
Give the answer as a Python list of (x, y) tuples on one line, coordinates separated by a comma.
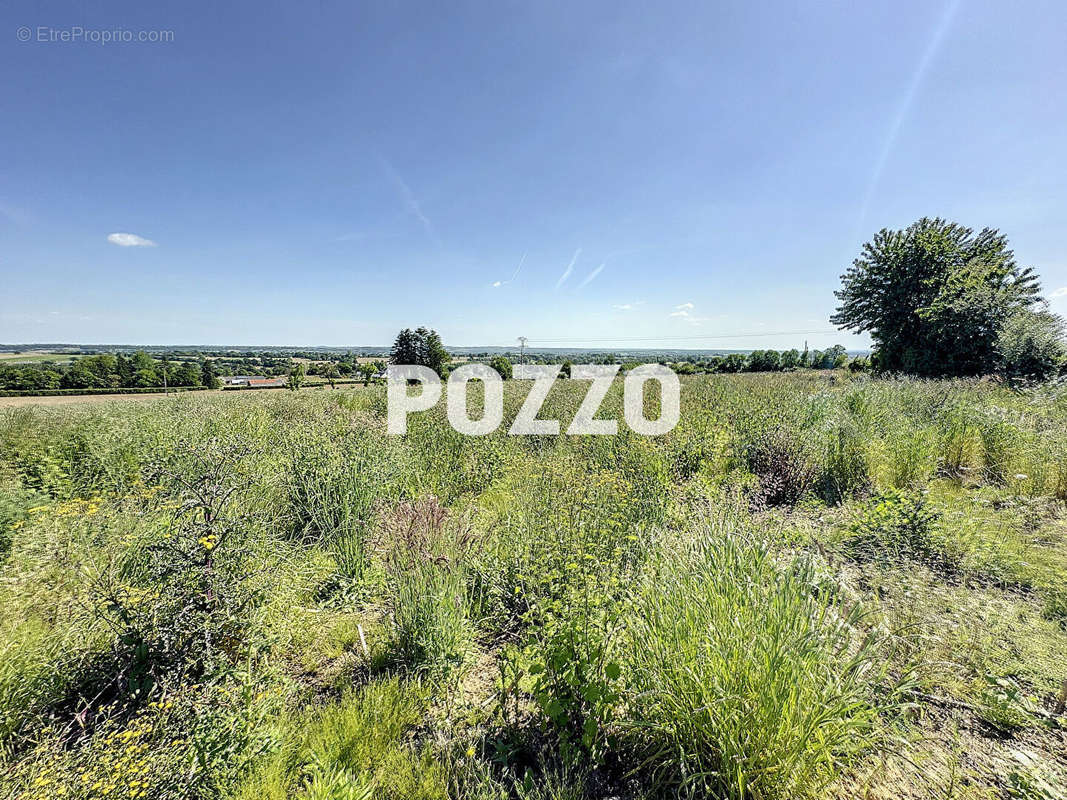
[(502, 364), (422, 347), (934, 296), (208, 377)]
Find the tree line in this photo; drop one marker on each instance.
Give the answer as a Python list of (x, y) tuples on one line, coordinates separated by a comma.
[(423, 346), (107, 371)]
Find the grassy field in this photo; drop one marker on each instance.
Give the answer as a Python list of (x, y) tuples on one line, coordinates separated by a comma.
[(81, 399), (815, 586), (35, 357), (313, 383)]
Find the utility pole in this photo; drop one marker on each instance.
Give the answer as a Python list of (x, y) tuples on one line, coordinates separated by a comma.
[(522, 349)]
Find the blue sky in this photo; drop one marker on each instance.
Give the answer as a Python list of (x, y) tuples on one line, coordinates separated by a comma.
[(326, 173)]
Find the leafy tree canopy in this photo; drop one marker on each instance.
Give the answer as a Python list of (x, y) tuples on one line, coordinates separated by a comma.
[(422, 347), (1030, 345), (934, 296), (502, 364)]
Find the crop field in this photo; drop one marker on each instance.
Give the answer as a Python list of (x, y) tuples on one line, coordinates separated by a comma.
[(818, 585)]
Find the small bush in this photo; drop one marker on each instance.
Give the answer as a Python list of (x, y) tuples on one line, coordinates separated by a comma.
[(181, 599), (781, 462), (1030, 345), (1001, 705), (892, 527), (575, 682)]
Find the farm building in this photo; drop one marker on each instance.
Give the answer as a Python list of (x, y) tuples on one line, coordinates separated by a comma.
[(253, 382)]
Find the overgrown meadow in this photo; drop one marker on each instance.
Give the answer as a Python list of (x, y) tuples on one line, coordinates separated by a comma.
[(817, 585)]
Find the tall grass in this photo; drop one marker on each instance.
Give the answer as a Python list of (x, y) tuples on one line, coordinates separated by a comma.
[(355, 748), (424, 554), (679, 616), (742, 683)]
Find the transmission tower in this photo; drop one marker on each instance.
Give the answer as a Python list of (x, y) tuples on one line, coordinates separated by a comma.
[(522, 349)]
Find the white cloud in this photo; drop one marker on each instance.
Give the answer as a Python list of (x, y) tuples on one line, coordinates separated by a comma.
[(685, 307), (570, 268), (589, 278), (679, 313), (1061, 292), (629, 306), (514, 275), (129, 240)]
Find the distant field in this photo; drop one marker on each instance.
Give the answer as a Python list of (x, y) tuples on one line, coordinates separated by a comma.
[(81, 399), (35, 356), (73, 399)]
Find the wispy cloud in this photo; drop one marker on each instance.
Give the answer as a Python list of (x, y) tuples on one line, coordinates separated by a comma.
[(514, 275), (684, 313), (570, 268), (358, 236), (592, 275), (129, 240), (410, 201), (629, 306), (1061, 292)]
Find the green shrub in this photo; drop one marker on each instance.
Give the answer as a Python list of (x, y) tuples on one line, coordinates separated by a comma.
[(575, 681), (1001, 705), (1030, 345), (893, 526), (182, 599)]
